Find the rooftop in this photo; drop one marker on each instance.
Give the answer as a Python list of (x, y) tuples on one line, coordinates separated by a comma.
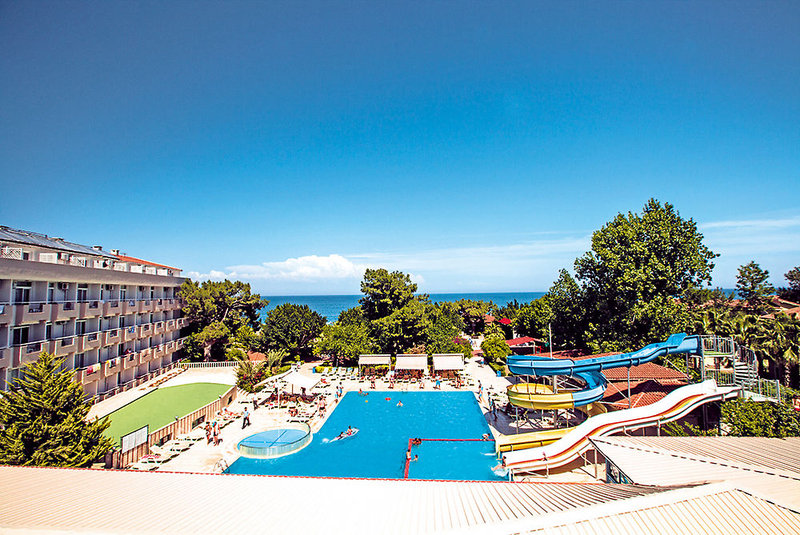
[(765, 467)]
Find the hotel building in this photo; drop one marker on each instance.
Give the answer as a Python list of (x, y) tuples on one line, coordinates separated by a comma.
[(114, 319)]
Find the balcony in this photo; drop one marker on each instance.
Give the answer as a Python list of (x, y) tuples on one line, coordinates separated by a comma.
[(111, 308), (129, 306), (89, 309), (114, 336), (92, 374), (64, 346), (65, 311), (148, 306), (180, 322), (33, 312), (158, 328), (130, 360), (170, 325), (129, 333), (78, 375), (27, 353), (179, 343), (145, 355), (5, 357), (146, 329), (160, 351), (91, 341), (112, 366)]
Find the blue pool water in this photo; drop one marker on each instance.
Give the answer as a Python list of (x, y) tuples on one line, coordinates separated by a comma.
[(378, 450)]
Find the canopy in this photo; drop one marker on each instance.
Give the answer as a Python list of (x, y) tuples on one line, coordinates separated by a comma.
[(374, 360), (301, 381), (411, 362), (450, 361)]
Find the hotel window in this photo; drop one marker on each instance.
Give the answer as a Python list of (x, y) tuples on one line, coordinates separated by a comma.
[(83, 292), (152, 292), (80, 360), (48, 331), (80, 327), (19, 336), (22, 292), (51, 292), (123, 292)]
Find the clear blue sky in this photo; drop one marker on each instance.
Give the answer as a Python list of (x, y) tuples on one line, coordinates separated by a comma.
[(475, 145)]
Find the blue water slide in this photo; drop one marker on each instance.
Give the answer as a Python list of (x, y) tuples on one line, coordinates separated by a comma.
[(589, 370)]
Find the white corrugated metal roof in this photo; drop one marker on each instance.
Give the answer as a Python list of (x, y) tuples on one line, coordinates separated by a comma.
[(773, 453), (117, 501), (448, 362), (411, 362), (710, 509), (649, 465), (372, 360)]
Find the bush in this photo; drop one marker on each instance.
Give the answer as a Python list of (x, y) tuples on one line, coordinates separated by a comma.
[(498, 367), (747, 418)]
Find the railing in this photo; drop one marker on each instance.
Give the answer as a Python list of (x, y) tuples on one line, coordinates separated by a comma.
[(214, 364), (718, 345)]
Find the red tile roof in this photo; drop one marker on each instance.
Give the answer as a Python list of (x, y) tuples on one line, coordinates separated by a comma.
[(505, 321), (133, 260), (256, 356), (642, 393), (649, 370), (522, 340), (488, 318)]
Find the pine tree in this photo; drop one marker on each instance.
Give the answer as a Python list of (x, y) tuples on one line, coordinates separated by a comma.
[(43, 420)]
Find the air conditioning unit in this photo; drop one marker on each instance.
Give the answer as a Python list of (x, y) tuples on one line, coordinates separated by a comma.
[(63, 285)]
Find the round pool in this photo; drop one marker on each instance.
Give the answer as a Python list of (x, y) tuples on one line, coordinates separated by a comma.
[(276, 442)]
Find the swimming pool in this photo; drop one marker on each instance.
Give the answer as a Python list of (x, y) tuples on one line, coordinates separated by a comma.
[(379, 448)]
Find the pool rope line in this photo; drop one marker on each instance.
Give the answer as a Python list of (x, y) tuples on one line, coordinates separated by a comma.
[(411, 440)]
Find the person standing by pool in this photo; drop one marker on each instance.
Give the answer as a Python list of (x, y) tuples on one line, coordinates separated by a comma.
[(245, 418)]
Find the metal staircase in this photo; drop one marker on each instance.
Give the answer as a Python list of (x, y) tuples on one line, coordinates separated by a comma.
[(745, 368)]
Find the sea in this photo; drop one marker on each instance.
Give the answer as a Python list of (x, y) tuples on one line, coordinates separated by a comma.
[(329, 306)]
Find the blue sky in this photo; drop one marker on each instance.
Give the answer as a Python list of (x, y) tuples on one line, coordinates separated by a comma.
[(475, 145)]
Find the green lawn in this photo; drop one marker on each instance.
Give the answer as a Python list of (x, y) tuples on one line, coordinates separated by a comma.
[(160, 407)]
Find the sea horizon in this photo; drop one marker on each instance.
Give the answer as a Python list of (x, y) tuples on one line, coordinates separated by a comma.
[(330, 305)]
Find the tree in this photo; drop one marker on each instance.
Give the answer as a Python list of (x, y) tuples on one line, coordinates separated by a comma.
[(473, 314), (352, 316), (344, 341), (533, 319), (385, 292), (792, 293), (636, 264), (442, 328), (43, 419), (402, 329), (752, 284), (216, 311), (565, 299), (249, 374), (495, 348), (747, 418), (292, 328)]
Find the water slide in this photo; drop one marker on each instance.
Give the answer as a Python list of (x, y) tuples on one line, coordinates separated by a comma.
[(540, 396), (576, 440)]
